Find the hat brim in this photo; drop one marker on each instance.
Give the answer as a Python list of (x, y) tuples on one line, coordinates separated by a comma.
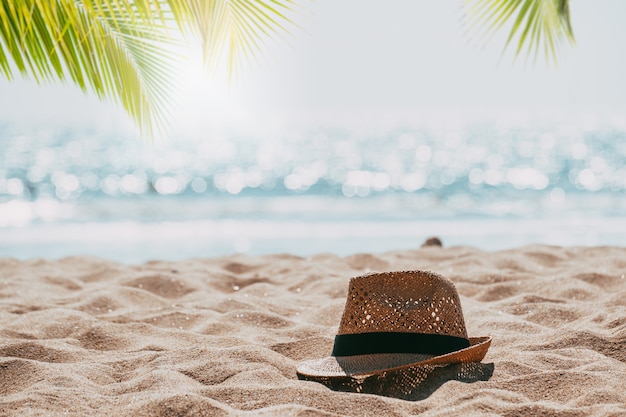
[(362, 366)]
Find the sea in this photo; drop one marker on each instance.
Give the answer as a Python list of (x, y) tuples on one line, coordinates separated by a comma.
[(309, 189)]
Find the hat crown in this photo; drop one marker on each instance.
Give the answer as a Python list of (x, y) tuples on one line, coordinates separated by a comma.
[(403, 302)]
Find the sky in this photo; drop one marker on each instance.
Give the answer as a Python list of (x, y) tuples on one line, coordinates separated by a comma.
[(367, 61)]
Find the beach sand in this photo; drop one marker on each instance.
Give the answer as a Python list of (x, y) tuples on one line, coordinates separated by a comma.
[(222, 336)]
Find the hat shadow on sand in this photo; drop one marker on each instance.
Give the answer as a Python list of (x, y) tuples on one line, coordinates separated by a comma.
[(413, 384)]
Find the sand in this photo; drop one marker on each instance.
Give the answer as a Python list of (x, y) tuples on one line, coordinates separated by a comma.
[(222, 337)]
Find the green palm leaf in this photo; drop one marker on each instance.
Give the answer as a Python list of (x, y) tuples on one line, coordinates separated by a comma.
[(126, 50), (537, 24), (233, 29)]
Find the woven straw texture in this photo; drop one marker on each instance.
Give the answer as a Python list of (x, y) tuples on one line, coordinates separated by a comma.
[(406, 302)]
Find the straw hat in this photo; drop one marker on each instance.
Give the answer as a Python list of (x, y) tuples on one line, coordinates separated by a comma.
[(397, 325)]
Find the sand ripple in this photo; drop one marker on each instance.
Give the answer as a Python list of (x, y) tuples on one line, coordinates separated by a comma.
[(222, 337)]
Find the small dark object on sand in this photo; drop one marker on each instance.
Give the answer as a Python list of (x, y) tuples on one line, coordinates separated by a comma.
[(432, 241)]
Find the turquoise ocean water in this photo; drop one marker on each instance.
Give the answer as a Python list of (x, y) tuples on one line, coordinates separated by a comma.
[(309, 190)]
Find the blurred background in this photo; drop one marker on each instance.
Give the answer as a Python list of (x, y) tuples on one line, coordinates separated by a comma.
[(369, 129)]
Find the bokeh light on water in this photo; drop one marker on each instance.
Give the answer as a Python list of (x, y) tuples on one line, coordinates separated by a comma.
[(324, 178)]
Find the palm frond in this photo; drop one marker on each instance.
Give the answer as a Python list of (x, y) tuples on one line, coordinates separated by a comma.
[(234, 30), (126, 50), (536, 25)]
